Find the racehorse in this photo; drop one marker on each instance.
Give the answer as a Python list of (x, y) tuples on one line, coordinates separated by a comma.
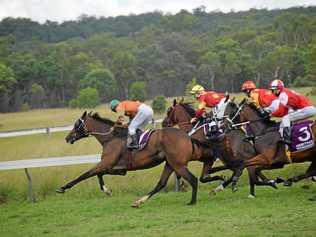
[(270, 151), (232, 149), (181, 114), (167, 144)]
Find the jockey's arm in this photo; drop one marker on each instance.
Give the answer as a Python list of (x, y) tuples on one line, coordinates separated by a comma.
[(201, 110), (273, 106)]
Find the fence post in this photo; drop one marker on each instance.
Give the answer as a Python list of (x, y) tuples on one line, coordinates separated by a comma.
[(48, 131), (30, 186)]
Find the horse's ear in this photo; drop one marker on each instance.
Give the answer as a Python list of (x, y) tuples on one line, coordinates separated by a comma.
[(182, 100), (227, 96), (84, 114), (174, 102), (233, 99)]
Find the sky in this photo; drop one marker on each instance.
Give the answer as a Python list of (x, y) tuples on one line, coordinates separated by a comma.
[(61, 10)]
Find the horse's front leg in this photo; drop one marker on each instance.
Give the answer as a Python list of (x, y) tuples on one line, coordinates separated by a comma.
[(103, 187), (92, 172), (160, 185)]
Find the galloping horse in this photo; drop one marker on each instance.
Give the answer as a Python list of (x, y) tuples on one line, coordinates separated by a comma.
[(270, 152), (168, 144), (231, 149), (181, 114)]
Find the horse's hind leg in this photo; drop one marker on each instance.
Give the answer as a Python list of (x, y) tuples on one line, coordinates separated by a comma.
[(208, 170), (160, 185), (193, 181), (82, 177), (311, 171), (103, 188)]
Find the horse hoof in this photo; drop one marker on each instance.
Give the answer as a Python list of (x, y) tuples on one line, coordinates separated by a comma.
[(314, 178), (312, 199), (287, 183), (251, 196), (135, 205), (234, 189), (109, 193), (60, 190), (273, 184), (279, 180), (191, 203)]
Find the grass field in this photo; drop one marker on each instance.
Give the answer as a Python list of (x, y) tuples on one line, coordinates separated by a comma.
[(84, 211)]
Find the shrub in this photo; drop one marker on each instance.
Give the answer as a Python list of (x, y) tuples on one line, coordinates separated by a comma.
[(138, 91), (87, 98), (159, 104), (312, 92), (25, 107)]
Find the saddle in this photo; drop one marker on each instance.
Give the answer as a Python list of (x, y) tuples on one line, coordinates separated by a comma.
[(143, 138)]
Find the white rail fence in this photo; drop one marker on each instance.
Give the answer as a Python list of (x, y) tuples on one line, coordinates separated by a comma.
[(47, 130)]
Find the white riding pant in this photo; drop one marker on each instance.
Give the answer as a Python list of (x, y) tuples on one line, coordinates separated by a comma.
[(296, 115), (220, 108), (141, 119)]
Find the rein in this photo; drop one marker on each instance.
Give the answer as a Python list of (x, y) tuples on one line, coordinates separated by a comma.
[(88, 133)]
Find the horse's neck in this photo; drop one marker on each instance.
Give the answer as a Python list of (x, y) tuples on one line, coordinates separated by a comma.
[(257, 125), (183, 121), (102, 128)]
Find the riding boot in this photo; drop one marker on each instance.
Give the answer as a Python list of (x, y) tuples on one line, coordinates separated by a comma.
[(134, 143), (287, 135)]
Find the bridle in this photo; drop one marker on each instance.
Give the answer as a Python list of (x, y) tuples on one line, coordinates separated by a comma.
[(170, 121), (82, 129)]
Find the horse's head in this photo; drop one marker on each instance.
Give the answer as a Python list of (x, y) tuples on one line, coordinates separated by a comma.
[(89, 124), (178, 114), (231, 112), (250, 112), (79, 130)]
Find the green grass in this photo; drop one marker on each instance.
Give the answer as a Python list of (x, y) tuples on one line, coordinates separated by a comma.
[(285, 212)]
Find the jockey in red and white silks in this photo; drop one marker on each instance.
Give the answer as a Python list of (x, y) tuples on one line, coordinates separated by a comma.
[(299, 107)]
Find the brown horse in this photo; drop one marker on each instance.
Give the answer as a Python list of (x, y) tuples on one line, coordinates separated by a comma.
[(181, 114), (270, 152), (168, 144), (232, 149)]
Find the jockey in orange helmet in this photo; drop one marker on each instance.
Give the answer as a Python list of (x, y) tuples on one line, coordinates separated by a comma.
[(262, 98), (210, 99), (299, 107)]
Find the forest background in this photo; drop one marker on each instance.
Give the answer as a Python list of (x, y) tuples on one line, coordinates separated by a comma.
[(147, 55)]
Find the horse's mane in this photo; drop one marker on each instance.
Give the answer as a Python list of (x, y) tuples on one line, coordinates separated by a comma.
[(97, 117), (268, 122), (188, 108)]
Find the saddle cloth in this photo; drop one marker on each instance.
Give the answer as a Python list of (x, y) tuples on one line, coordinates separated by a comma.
[(302, 137), (143, 138)]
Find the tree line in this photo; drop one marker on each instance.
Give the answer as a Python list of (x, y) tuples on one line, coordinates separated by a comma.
[(146, 55)]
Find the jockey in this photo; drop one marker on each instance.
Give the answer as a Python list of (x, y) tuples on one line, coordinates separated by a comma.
[(139, 114), (210, 99), (299, 107), (262, 98)]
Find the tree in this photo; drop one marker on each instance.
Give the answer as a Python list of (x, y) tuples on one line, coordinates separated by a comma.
[(87, 98), (159, 104), (7, 79), (103, 81), (137, 91)]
